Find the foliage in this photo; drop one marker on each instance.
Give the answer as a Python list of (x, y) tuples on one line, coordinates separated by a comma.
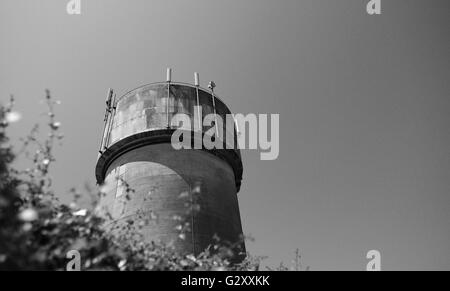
[(37, 231)]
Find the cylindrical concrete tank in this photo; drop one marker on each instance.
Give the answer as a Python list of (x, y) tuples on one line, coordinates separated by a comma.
[(137, 154)]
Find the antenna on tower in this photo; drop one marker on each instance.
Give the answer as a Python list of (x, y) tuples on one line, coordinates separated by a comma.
[(196, 79), (109, 100), (169, 75), (211, 86), (109, 106), (197, 85), (168, 80)]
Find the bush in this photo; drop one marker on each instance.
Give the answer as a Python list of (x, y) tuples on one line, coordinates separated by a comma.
[(37, 231)]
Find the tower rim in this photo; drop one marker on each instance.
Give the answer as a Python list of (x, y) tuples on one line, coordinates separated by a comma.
[(171, 83), (108, 156)]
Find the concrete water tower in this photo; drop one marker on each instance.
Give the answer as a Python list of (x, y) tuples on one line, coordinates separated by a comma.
[(136, 152)]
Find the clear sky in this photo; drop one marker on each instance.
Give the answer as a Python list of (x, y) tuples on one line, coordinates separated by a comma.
[(363, 101)]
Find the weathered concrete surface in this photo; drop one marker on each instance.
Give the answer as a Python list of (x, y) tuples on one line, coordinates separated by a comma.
[(159, 174), (138, 153)]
